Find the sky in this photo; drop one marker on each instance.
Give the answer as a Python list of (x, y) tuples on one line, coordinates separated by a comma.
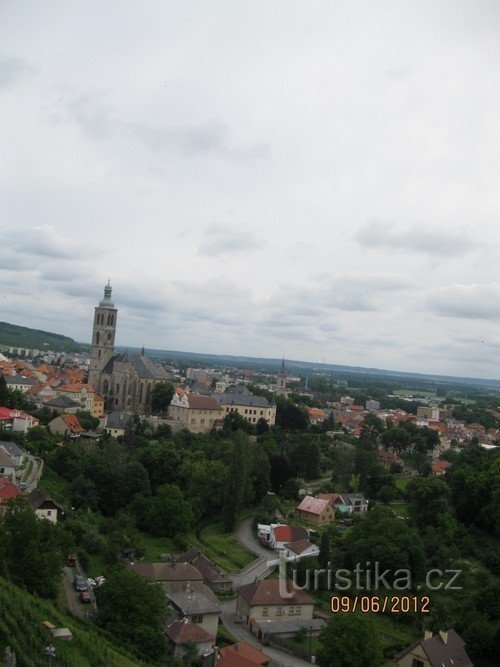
[(314, 179)]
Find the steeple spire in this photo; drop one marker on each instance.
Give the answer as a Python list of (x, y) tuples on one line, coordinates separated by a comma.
[(282, 369), (106, 301)]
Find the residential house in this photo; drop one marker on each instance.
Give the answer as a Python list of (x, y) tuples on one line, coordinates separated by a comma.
[(12, 419), (389, 460), (316, 510), (116, 423), (166, 572), (316, 415), (62, 404), (294, 551), (242, 655), (66, 425), (11, 459), (83, 394), (98, 406), (273, 599), (427, 413), (44, 506), (8, 491), (196, 602), (212, 574), (183, 634), (197, 413), (372, 406), (444, 649), (440, 467), (277, 535), (20, 383), (238, 398), (351, 503)]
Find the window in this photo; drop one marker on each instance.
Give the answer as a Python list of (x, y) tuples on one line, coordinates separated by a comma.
[(97, 336), (417, 663), (279, 611), (264, 611), (197, 619), (49, 512)]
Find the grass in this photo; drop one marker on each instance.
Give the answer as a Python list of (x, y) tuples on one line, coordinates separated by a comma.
[(154, 546), (402, 483), (223, 548), (416, 393)]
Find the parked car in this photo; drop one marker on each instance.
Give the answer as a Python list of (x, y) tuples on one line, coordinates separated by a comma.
[(91, 582), (72, 561), (80, 583), (85, 597)]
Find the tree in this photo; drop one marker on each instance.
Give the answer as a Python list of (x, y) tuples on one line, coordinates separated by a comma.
[(233, 421), (161, 397), (290, 416), (168, 513), (238, 481), (4, 392), (324, 550), (428, 500), (132, 608), (349, 640), (262, 426), (87, 421), (290, 490)]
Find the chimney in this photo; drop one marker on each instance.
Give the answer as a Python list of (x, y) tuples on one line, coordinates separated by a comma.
[(444, 636), (427, 634)]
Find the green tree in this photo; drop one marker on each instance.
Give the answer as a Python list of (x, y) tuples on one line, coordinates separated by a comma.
[(290, 416), (168, 513), (428, 500), (238, 481), (88, 422), (324, 550), (131, 608), (161, 397), (349, 640)]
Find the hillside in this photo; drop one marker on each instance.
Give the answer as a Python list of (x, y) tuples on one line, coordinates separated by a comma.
[(12, 334), (21, 628)]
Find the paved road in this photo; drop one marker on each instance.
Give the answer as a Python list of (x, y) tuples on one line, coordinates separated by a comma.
[(241, 632), (245, 535)]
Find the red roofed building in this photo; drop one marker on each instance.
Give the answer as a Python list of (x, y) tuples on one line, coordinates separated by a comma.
[(8, 491), (241, 655), (317, 416), (280, 535), (195, 412), (316, 510), (183, 632), (12, 419), (66, 425), (440, 467)]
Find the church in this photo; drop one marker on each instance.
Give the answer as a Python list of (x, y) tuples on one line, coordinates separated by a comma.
[(125, 381)]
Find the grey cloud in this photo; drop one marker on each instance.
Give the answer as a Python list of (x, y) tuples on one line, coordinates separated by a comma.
[(41, 241), (385, 234), (225, 239), (12, 70), (466, 301), (98, 121)]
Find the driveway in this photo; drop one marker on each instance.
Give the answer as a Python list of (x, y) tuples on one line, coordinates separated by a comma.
[(241, 632)]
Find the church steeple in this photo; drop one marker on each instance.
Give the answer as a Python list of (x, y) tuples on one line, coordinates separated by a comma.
[(103, 337), (281, 384)]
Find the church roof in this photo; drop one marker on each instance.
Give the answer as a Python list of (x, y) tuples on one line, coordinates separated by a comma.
[(144, 367)]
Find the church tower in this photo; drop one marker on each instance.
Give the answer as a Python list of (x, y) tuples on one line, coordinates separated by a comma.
[(281, 384), (103, 337)]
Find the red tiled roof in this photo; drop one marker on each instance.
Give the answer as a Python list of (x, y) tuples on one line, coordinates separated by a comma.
[(7, 490), (198, 402), (268, 592), (73, 423), (241, 655), (182, 630), (313, 505), (289, 533)]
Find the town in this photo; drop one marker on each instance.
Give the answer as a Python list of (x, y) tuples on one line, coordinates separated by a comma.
[(169, 512)]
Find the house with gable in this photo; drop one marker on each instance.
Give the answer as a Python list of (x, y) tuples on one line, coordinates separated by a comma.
[(445, 649), (273, 600), (66, 425), (316, 510)]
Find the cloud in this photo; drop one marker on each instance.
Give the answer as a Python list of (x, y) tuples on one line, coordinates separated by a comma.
[(226, 239), (98, 121), (385, 234), (471, 302), (41, 241), (12, 70)]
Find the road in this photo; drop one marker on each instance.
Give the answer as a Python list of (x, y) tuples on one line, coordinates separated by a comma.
[(245, 536), (74, 605), (241, 632)]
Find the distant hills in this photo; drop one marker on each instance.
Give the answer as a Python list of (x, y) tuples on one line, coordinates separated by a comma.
[(35, 339), (17, 336)]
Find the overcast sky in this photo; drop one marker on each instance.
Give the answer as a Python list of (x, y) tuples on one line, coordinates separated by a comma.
[(317, 179)]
